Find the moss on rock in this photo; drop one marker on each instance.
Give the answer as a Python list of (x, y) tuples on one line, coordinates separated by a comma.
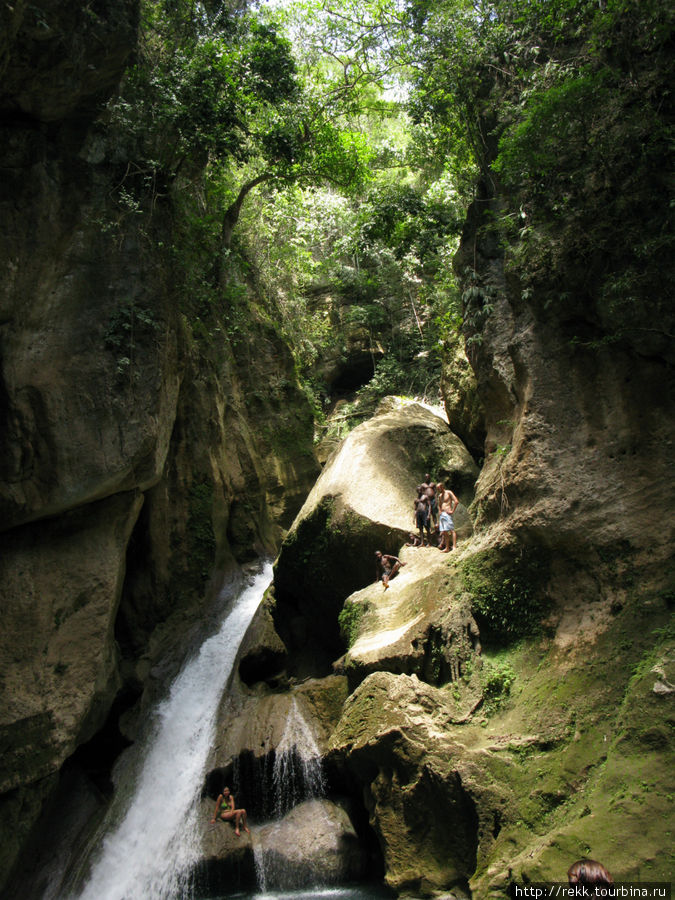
[(507, 590)]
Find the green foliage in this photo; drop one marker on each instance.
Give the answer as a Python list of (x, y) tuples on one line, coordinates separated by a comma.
[(565, 107), (130, 327), (349, 621), (507, 590), (410, 221), (497, 678), (204, 93)]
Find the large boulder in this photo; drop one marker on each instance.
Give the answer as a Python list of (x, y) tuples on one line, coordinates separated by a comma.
[(362, 502), (428, 801), (314, 844), (256, 722), (422, 625)]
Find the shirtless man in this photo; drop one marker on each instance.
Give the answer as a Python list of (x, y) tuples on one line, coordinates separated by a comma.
[(429, 489), (422, 516), (448, 504), (389, 566)]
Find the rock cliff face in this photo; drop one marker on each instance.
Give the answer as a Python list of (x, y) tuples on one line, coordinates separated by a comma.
[(500, 756), (579, 426), (496, 714), (138, 463)]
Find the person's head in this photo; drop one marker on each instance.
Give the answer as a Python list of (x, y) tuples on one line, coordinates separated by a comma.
[(226, 791), (378, 554), (440, 486), (590, 873), (427, 478)]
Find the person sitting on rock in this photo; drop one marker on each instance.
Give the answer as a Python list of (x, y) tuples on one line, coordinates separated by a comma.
[(448, 504), (592, 875), (226, 811), (389, 566), (422, 516), (413, 540)]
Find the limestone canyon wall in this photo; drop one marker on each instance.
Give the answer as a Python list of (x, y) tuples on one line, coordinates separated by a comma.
[(138, 464)]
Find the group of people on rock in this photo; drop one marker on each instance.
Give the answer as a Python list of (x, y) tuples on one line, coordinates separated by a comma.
[(433, 509)]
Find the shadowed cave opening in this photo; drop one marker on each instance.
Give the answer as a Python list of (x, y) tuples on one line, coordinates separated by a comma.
[(352, 374)]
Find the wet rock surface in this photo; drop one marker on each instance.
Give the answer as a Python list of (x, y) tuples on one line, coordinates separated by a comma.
[(315, 843), (421, 625)]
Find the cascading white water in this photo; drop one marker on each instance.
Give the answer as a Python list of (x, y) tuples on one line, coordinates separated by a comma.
[(297, 773), (297, 777), (149, 854)]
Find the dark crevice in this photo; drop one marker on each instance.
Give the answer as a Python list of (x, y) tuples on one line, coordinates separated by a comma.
[(97, 756)]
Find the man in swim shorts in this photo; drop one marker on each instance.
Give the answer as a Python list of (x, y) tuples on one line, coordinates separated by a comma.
[(448, 504), (389, 566), (429, 489)]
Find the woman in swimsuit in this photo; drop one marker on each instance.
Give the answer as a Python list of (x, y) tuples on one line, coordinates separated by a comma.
[(225, 810)]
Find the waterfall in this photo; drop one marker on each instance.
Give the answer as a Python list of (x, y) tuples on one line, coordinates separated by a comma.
[(297, 777), (153, 841), (297, 773)]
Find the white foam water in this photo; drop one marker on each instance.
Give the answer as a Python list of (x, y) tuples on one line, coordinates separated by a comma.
[(150, 850), (298, 773)]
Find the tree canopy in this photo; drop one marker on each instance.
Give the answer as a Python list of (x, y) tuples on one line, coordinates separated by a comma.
[(339, 145)]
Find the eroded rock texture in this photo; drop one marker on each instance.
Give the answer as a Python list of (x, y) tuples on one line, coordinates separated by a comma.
[(579, 426), (138, 463), (424, 627)]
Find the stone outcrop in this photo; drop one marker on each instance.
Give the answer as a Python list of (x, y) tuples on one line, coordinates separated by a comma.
[(462, 402), (575, 758), (422, 625), (579, 426), (315, 843), (423, 791), (57, 62), (348, 362), (362, 502)]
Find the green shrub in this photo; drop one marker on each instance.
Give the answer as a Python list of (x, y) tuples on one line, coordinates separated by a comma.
[(496, 678)]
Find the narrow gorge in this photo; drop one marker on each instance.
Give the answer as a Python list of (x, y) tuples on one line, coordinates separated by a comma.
[(217, 403)]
